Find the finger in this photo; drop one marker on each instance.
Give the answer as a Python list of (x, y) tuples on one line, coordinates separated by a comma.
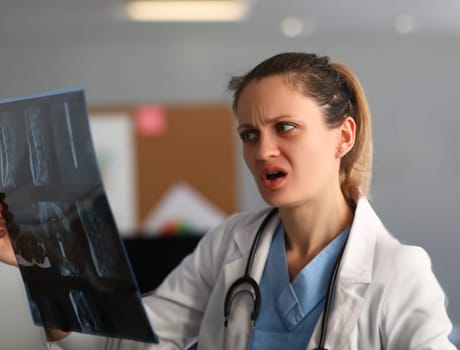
[(2, 196), (3, 229)]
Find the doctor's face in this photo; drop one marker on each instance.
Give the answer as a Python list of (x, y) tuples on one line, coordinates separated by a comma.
[(287, 146)]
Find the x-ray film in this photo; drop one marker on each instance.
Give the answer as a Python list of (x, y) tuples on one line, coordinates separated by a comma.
[(71, 257), (7, 164)]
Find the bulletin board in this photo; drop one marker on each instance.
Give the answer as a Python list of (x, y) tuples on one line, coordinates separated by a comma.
[(189, 143)]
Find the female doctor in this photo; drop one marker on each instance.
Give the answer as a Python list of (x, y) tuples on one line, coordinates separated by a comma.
[(318, 272)]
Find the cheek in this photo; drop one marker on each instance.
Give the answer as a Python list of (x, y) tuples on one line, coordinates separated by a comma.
[(326, 145), (317, 157)]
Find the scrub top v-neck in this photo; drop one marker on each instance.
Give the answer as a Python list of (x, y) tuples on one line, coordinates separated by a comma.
[(290, 311)]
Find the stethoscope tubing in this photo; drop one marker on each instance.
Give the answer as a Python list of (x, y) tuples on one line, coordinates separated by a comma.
[(329, 297), (247, 279), (257, 238)]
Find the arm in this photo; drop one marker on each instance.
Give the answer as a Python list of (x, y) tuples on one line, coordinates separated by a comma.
[(415, 315), (177, 307), (60, 339)]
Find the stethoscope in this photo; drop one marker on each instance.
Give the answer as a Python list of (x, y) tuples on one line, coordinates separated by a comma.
[(253, 289)]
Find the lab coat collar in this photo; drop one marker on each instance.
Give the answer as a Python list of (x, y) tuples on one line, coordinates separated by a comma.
[(355, 276), (355, 272), (358, 253)]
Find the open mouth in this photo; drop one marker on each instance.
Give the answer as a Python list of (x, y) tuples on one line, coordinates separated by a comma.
[(273, 178), (274, 175)]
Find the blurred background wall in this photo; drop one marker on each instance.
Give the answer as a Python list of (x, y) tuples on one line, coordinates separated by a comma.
[(405, 55)]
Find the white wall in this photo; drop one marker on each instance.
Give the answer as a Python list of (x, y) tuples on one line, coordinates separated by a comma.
[(412, 85)]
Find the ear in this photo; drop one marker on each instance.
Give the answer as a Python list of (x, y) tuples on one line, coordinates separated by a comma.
[(346, 136)]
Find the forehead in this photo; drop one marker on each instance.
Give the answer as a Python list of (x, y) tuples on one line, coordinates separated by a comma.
[(272, 97)]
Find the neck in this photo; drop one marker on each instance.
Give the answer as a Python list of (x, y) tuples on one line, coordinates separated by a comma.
[(311, 226)]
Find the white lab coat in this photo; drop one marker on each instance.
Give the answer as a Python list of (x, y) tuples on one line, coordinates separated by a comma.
[(386, 294)]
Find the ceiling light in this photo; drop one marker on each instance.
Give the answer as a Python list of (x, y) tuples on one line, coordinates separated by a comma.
[(187, 10), (403, 24), (293, 27)]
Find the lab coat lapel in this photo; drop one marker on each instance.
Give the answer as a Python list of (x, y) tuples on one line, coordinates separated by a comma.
[(243, 238), (349, 300), (355, 275), (239, 328)]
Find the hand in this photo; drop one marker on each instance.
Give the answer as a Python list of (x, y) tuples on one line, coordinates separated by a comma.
[(55, 334), (6, 249)]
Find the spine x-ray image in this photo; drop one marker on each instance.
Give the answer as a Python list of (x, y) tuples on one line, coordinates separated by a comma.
[(7, 152), (98, 239), (57, 229), (85, 311), (37, 148)]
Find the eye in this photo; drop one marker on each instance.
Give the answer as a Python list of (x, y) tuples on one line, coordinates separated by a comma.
[(284, 127), (248, 135)]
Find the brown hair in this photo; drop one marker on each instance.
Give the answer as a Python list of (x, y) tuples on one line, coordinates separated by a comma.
[(338, 91)]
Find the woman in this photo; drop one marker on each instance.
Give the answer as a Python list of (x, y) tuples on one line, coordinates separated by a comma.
[(306, 133)]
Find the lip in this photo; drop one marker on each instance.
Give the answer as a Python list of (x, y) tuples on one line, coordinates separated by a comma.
[(272, 184)]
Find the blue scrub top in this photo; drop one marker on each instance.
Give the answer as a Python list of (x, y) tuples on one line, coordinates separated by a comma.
[(290, 311)]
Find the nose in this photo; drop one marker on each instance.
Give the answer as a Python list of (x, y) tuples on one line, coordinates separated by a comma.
[(266, 148)]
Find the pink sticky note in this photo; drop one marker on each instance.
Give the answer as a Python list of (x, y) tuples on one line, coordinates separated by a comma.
[(150, 120)]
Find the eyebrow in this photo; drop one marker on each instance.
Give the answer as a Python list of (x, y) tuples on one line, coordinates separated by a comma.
[(245, 126), (266, 121)]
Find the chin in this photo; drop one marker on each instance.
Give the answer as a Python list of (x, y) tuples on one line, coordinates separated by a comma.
[(283, 201), (277, 200)]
